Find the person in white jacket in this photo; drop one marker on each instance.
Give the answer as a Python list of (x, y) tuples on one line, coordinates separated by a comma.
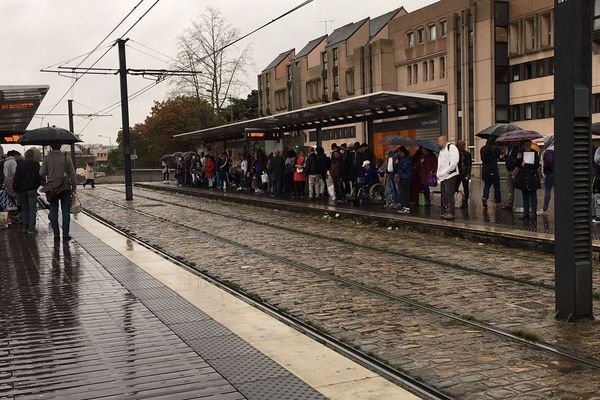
[(447, 174)]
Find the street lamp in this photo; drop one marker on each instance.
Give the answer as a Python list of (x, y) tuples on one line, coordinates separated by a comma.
[(109, 140)]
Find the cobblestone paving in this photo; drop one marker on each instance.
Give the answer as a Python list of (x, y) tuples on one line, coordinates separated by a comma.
[(463, 360)]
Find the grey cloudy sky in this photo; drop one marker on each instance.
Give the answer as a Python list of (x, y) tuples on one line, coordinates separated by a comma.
[(38, 33)]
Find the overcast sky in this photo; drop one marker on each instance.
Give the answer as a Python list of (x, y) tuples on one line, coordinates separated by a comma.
[(38, 33)]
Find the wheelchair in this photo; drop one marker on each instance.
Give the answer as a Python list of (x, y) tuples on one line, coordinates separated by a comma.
[(365, 192)]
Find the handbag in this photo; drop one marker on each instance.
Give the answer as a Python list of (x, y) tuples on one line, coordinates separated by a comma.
[(54, 188), (432, 179), (75, 204)]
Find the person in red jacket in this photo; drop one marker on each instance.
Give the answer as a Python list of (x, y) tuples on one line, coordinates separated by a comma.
[(427, 165), (209, 171)]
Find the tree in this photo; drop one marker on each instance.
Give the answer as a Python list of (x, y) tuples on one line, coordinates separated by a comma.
[(207, 47), (241, 109), (154, 138)]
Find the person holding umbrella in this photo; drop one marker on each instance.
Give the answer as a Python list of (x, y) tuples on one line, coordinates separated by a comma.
[(490, 154), (59, 172), (528, 179)]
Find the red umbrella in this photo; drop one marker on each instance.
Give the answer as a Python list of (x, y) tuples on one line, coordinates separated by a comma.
[(518, 136)]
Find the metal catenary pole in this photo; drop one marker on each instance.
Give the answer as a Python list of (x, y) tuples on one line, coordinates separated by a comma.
[(572, 127), (125, 119), (72, 129)]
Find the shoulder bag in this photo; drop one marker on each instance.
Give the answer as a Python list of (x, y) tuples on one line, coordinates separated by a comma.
[(55, 187)]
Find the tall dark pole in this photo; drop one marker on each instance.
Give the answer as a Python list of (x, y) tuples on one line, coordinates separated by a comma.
[(72, 129), (572, 128), (125, 119)]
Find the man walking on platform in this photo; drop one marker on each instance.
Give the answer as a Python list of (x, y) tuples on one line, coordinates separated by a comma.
[(447, 174)]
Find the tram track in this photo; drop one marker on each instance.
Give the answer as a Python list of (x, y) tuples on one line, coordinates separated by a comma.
[(384, 250), (557, 351)]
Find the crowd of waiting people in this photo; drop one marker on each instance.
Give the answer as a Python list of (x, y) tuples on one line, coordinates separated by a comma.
[(406, 177)]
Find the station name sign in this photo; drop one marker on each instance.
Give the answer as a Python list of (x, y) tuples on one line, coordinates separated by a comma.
[(261, 134)]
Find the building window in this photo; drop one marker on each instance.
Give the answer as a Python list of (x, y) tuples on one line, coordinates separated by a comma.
[(313, 92), (415, 69), (431, 70), (425, 72), (442, 67), (541, 109), (325, 85), (432, 32), (335, 57), (514, 35), (516, 113), (516, 73), (546, 30), (281, 100), (410, 39), (289, 73), (350, 81), (528, 111), (443, 28), (420, 35), (528, 71), (336, 84), (409, 75), (325, 61), (529, 28)]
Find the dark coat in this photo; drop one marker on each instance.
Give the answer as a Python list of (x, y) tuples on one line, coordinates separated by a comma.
[(465, 164), (277, 166), (490, 154), (27, 176), (528, 175), (311, 166)]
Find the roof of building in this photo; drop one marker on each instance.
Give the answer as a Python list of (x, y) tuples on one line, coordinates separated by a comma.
[(18, 105), (343, 33), (378, 23), (367, 107), (278, 60), (310, 46)]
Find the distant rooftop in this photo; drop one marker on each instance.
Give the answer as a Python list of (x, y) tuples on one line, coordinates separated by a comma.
[(378, 23), (278, 60), (343, 33), (310, 46)]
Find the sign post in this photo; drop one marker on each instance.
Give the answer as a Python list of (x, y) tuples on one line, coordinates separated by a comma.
[(572, 128)]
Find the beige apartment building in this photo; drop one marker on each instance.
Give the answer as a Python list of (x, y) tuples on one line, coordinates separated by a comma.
[(491, 59)]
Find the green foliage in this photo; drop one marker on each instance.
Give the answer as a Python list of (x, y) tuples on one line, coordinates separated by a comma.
[(241, 109), (154, 137)]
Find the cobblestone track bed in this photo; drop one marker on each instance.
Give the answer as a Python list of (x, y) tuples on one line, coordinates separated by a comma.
[(507, 305), (465, 362)]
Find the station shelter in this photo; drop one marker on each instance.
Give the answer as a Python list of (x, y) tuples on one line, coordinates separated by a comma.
[(18, 105), (415, 115)]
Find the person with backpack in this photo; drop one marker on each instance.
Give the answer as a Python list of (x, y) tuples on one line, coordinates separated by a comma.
[(528, 179), (548, 170), (311, 168), (323, 166), (26, 182), (447, 174), (490, 154), (59, 172), (511, 163)]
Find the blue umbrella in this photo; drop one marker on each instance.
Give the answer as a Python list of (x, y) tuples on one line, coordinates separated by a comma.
[(429, 145)]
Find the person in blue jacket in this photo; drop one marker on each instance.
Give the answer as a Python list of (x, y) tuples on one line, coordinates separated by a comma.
[(403, 175)]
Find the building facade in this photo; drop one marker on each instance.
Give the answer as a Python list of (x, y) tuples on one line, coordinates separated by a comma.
[(491, 59)]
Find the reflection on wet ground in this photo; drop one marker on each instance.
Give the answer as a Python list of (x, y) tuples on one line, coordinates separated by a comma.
[(68, 329)]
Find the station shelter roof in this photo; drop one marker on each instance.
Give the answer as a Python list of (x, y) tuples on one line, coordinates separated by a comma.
[(18, 105), (369, 107)]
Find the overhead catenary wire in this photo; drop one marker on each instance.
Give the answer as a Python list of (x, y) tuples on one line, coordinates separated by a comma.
[(76, 79)]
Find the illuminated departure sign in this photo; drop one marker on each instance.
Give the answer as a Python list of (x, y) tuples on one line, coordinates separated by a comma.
[(17, 106), (11, 139), (262, 134)]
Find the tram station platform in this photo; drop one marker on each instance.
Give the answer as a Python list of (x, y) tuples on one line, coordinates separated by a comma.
[(103, 316), (491, 225)]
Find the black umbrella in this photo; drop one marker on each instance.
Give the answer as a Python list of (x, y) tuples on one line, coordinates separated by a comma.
[(47, 135), (397, 140), (429, 145), (497, 130), (177, 154), (518, 136), (167, 157), (189, 154)]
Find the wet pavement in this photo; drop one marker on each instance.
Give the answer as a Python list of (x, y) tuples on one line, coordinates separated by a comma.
[(317, 269), (80, 321)]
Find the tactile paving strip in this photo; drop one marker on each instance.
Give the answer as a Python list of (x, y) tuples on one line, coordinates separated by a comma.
[(241, 364)]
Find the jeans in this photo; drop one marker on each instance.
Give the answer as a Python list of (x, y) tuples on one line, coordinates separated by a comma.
[(338, 187), (315, 185), (396, 188), (89, 182), (65, 206), (404, 186), (300, 188), (510, 181), (276, 185), (28, 202), (448, 192), (529, 201), (548, 185), (220, 179), (464, 181), (487, 184)]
